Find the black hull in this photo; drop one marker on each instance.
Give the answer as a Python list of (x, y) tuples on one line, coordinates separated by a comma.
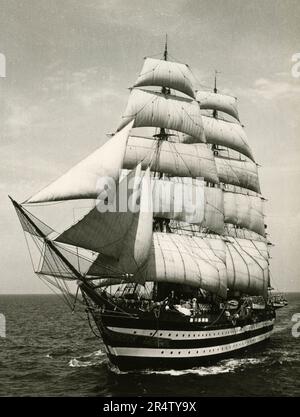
[(127, 364), (148, 343)]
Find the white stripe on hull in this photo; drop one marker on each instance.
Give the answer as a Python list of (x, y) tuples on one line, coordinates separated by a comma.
[(186, 353), (184, 335)]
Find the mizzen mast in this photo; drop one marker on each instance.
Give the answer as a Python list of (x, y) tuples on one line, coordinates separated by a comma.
[(215, 112)]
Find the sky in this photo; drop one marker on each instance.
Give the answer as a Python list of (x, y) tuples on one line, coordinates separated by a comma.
[(69, 65)]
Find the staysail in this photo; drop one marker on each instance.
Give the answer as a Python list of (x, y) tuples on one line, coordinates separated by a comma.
[(125, 235), (87, 178)]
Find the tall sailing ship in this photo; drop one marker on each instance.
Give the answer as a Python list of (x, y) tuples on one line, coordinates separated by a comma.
[(172, 259)]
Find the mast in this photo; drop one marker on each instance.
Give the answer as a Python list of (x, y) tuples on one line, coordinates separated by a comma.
[(166, 49), (162, 134), (215, 113)]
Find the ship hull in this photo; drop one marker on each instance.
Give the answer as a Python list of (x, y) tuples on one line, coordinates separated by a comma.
[(139, 344)]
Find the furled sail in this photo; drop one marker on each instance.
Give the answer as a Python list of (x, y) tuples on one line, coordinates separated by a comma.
[(244, 211), (220, 102), (157, 72), (87, 178), (123, 236), (176, 159), (238, 172), (185, 260), (149, 108), (220, 132), (247, 268)]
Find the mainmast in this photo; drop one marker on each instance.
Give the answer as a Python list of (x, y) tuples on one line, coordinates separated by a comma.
[(163, 135)]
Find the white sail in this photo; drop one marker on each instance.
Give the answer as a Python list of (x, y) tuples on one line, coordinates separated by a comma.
[(172, 200), (149, 108), (220, 132), (156, 72), (244, 211), (238, 172), (233, 231), (254, 247), (247, 268), (220, 102), (188, 200), (125, 236), (228, 134), (87, 178), (187, 260), (27, 223), (52, 265), (214, 210), (137, 243), (179, 199), (176, 159), (184, 260)]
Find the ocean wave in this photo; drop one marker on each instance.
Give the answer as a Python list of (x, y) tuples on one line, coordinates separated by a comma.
[(225, 366), (59, 352), (92, 359)]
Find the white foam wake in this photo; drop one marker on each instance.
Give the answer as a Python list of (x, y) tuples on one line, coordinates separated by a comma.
[(91, 359), (225, 366)]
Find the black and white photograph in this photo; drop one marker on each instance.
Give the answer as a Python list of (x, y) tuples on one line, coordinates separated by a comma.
[(150, 206)]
